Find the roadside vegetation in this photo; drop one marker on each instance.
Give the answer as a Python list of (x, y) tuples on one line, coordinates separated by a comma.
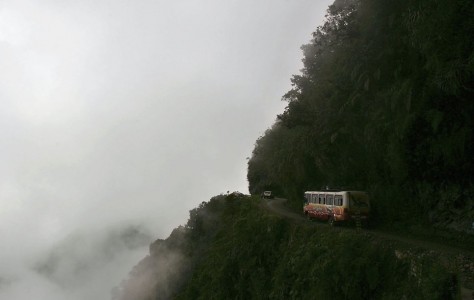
[(232, 249)]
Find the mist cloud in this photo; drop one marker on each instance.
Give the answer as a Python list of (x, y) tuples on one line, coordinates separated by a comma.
[(118, 114)]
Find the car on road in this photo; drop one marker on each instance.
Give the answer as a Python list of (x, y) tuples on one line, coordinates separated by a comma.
[(267, 195)]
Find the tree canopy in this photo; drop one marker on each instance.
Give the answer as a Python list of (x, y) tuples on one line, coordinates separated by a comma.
[(384, 103)]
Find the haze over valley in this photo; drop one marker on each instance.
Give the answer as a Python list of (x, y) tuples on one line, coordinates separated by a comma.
[(118, 117)]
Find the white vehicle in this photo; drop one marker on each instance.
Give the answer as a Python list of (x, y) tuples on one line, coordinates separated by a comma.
[(267, 195)]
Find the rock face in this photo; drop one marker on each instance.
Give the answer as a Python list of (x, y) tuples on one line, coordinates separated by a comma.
[(455, 211)]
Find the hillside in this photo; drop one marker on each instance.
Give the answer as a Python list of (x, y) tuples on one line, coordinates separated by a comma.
[(231, 248), (384, 103)]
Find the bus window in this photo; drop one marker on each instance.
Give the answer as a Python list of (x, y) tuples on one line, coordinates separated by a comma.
[(329, 199), (338, 200), (314, 198), (322, 199)]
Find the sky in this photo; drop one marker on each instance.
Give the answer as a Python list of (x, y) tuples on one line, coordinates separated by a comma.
[(117, 117)]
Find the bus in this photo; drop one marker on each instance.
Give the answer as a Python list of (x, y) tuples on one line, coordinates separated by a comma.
[(337, 206)]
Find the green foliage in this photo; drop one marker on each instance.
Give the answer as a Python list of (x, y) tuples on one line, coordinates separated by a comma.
[(259, 256), (383, 103), (232, 249)]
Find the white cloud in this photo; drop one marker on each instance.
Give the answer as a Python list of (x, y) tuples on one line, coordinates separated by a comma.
[(117, 113)]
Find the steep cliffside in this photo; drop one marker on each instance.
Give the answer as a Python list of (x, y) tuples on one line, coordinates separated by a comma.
[(232, 249)]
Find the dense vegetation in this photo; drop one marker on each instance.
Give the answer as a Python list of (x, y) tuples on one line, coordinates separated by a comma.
[(384, 103), (232, 249)]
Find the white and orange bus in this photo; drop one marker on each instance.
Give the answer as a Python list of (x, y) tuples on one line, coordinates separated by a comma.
[(337, 206)]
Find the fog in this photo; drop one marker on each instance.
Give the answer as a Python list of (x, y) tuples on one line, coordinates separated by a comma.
[(117, 117)]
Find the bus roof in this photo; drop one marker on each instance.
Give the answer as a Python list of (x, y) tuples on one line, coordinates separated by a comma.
[(336, 191)]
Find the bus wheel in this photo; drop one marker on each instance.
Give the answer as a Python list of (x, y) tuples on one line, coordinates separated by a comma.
[(331, 221), (308, 217)]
